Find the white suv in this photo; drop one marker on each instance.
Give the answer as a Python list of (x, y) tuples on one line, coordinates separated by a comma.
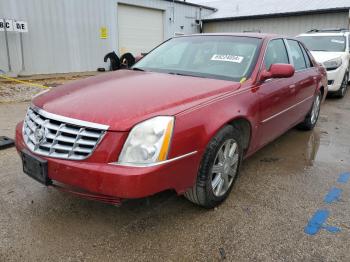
[(331, 48)]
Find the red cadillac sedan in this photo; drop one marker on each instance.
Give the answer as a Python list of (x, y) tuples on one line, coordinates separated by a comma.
[(182, 118)]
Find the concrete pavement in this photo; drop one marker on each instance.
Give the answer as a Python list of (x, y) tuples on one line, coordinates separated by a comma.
[(278, 193)]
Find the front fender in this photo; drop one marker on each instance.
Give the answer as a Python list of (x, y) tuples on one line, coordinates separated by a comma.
[(195, 128)]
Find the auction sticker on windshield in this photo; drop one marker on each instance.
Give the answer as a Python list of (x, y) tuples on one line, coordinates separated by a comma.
[(228, 58)]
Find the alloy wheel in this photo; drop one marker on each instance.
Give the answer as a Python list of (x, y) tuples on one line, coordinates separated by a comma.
[(225, 167), (316, 109)]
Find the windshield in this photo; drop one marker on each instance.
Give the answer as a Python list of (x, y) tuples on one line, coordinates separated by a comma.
[(219, 57), (324, 43)]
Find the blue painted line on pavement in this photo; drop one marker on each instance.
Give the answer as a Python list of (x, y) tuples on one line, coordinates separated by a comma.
[(318, 222), (331, 229), (333, 195), (344, 178), (319, 219)]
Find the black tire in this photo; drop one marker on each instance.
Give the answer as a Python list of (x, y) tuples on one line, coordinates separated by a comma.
[(114, 61), (344, 86), (202, 193), (127, 60), (310, 120)]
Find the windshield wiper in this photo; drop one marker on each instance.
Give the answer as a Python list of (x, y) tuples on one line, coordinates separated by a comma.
[(138, 69), (181, 74), (178, 74)]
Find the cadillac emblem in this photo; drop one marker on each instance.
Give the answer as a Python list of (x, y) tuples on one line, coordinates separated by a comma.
[(40, 135)]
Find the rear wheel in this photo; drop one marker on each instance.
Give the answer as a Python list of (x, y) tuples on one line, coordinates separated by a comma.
[(344, 86), (311, 119), (218, 170)]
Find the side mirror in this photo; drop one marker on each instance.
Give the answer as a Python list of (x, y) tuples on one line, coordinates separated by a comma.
[(278, 71)]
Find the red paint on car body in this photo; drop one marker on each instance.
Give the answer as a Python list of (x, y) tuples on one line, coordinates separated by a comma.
[(201, 108), (122, 98)]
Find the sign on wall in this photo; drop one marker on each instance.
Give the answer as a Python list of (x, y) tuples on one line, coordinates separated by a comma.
[(103, 32), (2, 25), (20, 26), (11, 25), (6, 23)]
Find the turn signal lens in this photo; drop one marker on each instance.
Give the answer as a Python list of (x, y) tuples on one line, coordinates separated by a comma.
[(163, 154)]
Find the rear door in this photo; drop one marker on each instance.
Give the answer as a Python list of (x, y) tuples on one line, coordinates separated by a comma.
[(306, 76), (277, 96)]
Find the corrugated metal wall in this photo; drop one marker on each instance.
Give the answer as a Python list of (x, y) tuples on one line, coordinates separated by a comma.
[(290, 25), (64, 34)]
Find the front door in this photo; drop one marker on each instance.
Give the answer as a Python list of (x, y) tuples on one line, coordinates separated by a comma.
[(277, 96)]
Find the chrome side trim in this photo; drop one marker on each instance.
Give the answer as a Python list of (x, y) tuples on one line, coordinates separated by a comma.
[(286, 110), (154, 164), (69, 120)]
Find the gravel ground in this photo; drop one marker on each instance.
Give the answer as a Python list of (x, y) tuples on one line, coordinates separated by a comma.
[(17, 92)]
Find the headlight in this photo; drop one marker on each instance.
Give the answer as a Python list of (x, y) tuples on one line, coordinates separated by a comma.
[(148, 142), (333, 64)]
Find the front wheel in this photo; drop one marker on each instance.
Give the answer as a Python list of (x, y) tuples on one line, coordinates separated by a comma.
[(218, 170), (344, 86), (310, 120)]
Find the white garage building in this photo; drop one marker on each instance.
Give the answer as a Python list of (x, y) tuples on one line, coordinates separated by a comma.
[(75, 35), (276, 16)]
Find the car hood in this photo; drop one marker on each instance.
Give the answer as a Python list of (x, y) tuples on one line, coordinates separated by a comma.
[(123, 98), (322, 57)]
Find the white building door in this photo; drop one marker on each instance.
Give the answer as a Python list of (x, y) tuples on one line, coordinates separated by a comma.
[(139, 29)]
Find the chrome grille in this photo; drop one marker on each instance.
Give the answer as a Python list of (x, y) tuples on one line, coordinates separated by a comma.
[(56, 136)]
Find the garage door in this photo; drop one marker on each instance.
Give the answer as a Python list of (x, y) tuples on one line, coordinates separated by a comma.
[(140, 29)]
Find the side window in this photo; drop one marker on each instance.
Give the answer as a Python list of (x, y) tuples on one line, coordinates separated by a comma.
[(297, 55), (306, 56), (276, 53)]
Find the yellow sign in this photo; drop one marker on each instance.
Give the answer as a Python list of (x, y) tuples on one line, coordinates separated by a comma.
[(103, 33)]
